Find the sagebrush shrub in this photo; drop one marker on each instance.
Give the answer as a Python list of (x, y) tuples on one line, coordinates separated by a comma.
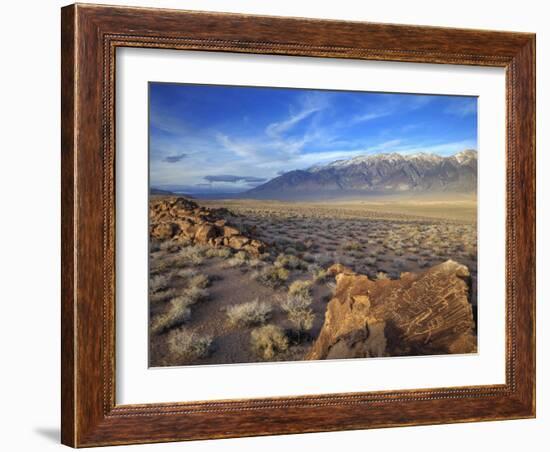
[(271, 276), (302, 320), (158, 297), (197, 294), (178, 312), (296, 302), (369, 261), (158, 266), (184, 345), (222, 252), (167, 245), (246, 314), (269, 340), (300, 288), (186, 273), (299, 313), (199, 281), (319, 274), (238, 260), (352, 246), (158, 282), (194, 254), (255, 263), (289, 262)]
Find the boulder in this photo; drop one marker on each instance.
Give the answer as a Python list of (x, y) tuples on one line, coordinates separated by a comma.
[(419, 314), (205, 232), (256, 247), (230, 231), (339, 269), (238, 241), (164, 231), (188, 229), (218, 241)]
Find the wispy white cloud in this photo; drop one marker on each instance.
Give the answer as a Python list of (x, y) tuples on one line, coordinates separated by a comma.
[(241, 148), (275, 144), (414, 102), (390, 107), (465, 108), (275, 129), (369, 116), (309, 104), (444, 149), (168, 123)]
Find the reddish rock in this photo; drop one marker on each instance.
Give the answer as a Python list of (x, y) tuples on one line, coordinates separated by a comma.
[(230, 231), (184, 221), (339, 268), (164, 231), (205, 232), (420, 314), (238, 241), (258, 246), (187, 228)]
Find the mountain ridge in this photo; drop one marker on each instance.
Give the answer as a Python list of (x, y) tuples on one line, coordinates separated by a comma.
[(389, 173)]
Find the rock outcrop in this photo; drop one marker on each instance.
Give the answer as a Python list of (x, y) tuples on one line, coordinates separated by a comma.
[(418, 314), (182, 220)]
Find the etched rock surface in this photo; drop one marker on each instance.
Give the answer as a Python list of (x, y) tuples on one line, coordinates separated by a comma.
[(419, 314), (182, 220)]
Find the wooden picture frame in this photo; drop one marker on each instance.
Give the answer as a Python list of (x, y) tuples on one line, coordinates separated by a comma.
[(90, 36)]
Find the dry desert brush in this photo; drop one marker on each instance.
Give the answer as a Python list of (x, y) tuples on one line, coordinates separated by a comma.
[(300, 287), (290, 262), (271, 276), (319, 274), (178, 312), (239, 259), (247, 314), (185, 346), (299, 312), (268, 341)]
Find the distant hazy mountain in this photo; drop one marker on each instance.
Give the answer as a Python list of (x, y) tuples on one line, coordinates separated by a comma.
[(376, 174), (158, 191)]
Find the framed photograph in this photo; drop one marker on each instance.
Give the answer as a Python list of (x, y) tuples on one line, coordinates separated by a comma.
[(281, 225)]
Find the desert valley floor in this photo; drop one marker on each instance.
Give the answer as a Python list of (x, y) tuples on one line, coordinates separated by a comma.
[(236, 281)]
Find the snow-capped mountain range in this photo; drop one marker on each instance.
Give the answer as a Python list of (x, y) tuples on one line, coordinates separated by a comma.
[(376, 174)]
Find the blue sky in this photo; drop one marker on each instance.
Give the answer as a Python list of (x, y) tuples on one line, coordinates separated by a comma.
[(228, 139)]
